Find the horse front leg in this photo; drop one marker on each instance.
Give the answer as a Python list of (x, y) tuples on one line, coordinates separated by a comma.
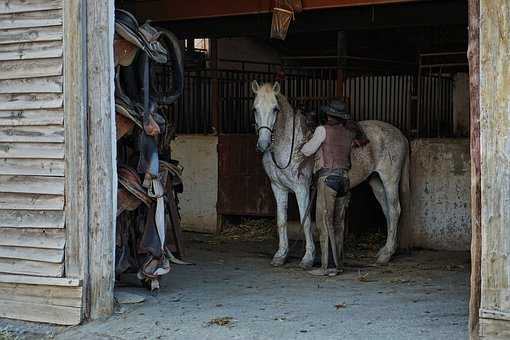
[(303, 200), (281, 197)]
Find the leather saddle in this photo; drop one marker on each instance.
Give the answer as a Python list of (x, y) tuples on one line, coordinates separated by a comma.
[(145, 37), (131, 194)]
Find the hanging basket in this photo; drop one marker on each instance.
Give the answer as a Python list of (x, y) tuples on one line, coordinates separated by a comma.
[(297, 5), (281, 22)]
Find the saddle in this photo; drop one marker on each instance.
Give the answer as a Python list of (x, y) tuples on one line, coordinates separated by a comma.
[(147, 188), (145, 37)]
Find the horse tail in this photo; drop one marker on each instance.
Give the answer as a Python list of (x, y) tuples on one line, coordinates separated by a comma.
[(405, 201)]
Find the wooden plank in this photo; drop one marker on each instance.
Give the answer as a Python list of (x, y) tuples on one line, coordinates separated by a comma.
[(32, 150), (491, 329), (32, 254), (61, 315), (494, 314), (22, 35), (42, 294), (101, 142), (33, 280), (495, 138), (18, 6), (476, 242), (32, 117), (25, 51), (31, 201), (33, 238), (30, 101), (31, 134), (16, 69), (31, 219), (76, 134), (35, 167), (25, 267), (32, 85), (32, 185), (495, 164), (31, 19)]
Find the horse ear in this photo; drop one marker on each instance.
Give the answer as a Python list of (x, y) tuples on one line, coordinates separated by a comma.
[(255, 86), (276, 87)]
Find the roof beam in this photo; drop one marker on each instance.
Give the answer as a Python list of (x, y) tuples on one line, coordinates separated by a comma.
[(161, 10)]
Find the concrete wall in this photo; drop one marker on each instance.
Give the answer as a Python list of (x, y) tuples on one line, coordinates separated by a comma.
[(246, 49), (440, 194), (199, 157)]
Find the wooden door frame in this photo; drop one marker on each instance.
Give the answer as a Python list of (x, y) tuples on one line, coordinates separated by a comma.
[(90, 153), (90, 143), (476, 231)]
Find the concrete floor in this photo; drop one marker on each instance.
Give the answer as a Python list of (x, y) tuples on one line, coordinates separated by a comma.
[(233, 293)]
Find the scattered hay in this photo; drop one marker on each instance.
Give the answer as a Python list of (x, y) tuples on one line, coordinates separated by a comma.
[(225, 321), (250, 230), (340, 306)]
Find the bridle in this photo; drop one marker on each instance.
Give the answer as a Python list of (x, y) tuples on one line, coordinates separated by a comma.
[(270, 129)]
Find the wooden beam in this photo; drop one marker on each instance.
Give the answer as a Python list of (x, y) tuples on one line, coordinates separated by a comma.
[(30, 311), (476, 242), (495, 164), (35, 167), (76, 137), (31, 280), (32, 219), (102, 174), (416, 14), (162, 10), (21, 6), (31, 19)]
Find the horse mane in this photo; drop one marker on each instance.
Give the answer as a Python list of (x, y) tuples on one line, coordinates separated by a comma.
[(287, 110)]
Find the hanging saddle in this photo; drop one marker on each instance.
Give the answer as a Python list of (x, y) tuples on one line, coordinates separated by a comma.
[(144, 37)]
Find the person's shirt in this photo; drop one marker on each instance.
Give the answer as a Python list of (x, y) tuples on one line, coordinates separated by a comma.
[(311, 147)]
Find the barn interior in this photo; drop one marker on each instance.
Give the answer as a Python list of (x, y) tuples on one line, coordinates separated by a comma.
[(403, 63)]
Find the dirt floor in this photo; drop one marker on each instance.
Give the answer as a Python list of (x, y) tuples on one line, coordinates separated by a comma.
[(233, 293)]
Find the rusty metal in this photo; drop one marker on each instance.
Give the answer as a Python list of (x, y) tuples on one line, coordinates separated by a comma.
[(243, 188)]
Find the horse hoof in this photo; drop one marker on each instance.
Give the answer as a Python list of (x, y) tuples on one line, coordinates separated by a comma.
[(278, 261), (306, 264), (383, 259)]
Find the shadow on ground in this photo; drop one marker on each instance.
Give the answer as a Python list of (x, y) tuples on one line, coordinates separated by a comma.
[(233, 293)]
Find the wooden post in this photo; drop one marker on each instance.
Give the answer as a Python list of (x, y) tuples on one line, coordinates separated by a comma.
[(76, 156), (102, 165), (495, 168), (216, 120), (341, 53), (476, 242)]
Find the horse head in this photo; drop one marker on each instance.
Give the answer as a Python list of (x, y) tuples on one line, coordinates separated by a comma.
[(265, 109)]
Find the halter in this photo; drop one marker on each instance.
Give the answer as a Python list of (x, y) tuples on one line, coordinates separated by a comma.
[(270, 129)]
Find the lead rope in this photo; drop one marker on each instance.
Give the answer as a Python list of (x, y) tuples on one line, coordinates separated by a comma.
[(291, 146)]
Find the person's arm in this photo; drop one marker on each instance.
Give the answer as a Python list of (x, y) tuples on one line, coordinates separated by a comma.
[(311, 147)]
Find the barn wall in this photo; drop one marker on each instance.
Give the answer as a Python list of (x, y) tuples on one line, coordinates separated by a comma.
[(32, 171), (246, 49), (440, 192), (199, 157)]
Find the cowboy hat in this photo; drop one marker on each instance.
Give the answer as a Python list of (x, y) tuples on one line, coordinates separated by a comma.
[(337, 109)]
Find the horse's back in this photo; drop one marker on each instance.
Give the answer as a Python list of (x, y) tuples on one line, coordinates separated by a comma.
[(386, 150)]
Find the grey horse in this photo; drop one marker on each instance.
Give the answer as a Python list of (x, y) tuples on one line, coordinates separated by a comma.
[(281, 132)]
